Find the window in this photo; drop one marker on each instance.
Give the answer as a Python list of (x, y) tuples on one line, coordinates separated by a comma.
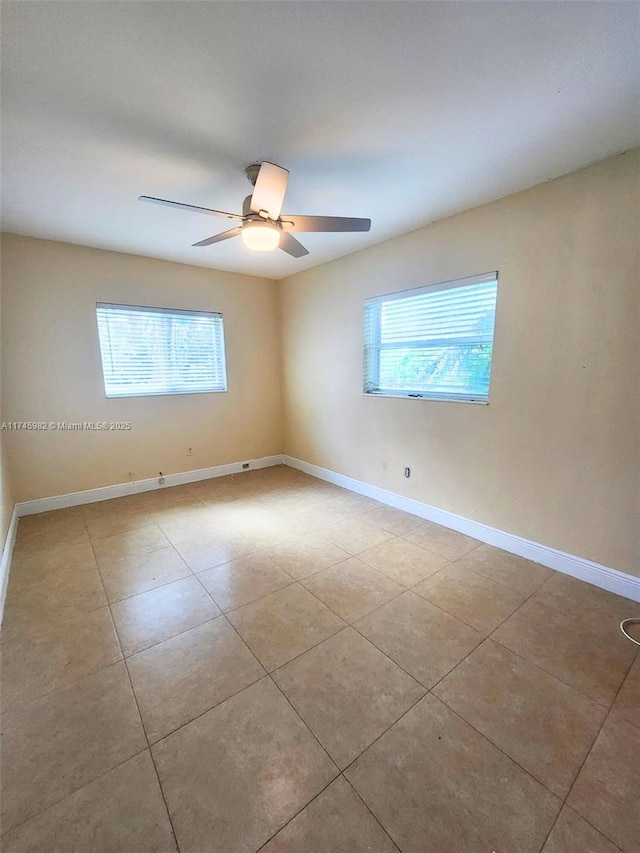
[(433, 342), (160, 351)]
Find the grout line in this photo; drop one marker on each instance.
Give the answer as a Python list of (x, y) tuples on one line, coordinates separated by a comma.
[(382, 734), (206, 711), (604, 721), (5, 834), (517, 654), (135, 699), (579, 690), (119, 764), (300, 810), (306, 725), (145, 591), (299, 581), (367, 807), (556, 796), (171, 637), (360, 633)]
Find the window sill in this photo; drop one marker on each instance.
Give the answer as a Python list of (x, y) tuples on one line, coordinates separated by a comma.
[(434, 398)]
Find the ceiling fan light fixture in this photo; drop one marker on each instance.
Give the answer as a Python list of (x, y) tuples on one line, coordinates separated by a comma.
[(260, 236)]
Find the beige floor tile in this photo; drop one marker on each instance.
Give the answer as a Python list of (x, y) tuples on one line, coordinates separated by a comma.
[(40, 563), (172, 495), (69, 517), (265, 534), (394, 520), (56, 656), (191, 525), (324, 514), (236, 775), (117, 523), (544, 725), (593, 660), (213, 486), (352, 504), (321, 489), (246, 515), (241, 581), (123, 546), (424, 640), (572, 834), (506, 569), (111, 506), (355, 535), (352, 588), (590, 603), (627, 704), (434, 783), (337, 821), (441, 540), (306, 522), (607, 791), (306, 554), (283, 499), (50, 535), (60, 742), (64, 576), (143, 572), (215, 498), (146, 619), (121, 812), (402, 561), (284, 624), (185, 510), (66, 594), (71, 722), (205, 552), (348, 693), (185, 676), (468, 596)]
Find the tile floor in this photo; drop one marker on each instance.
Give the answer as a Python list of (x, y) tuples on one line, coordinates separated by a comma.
[(267, 662)]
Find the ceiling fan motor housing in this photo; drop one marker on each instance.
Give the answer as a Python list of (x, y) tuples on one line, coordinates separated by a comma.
[(246, 207), (252, 173)]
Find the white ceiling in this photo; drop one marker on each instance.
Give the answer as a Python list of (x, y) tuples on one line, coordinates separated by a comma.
[(402, 112)]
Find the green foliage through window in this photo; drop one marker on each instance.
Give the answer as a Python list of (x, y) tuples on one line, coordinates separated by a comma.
[(435, 342)]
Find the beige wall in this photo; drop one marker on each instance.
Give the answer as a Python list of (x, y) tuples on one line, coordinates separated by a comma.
[(554, 456), (6, 493), (52, 369)]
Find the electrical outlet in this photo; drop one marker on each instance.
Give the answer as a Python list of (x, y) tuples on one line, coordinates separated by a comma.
[(407, 472), (245, 465), (189, 451)]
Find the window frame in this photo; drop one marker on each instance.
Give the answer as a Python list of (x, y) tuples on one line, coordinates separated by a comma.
[(160, 310), (406, 294)]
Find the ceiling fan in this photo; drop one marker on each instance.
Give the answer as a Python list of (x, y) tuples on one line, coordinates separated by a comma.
[(262, 226)]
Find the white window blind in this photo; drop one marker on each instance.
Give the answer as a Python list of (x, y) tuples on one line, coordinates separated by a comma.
[(160, 350), (434, 342)]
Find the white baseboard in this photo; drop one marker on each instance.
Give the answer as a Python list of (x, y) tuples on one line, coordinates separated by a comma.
[(5, 560), (607, 578), (119, 490), (586, 570)]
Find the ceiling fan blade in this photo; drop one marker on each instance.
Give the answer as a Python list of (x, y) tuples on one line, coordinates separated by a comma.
[(218, 238), (324, 223), (291, 246), (191, 207), (268, 193)]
